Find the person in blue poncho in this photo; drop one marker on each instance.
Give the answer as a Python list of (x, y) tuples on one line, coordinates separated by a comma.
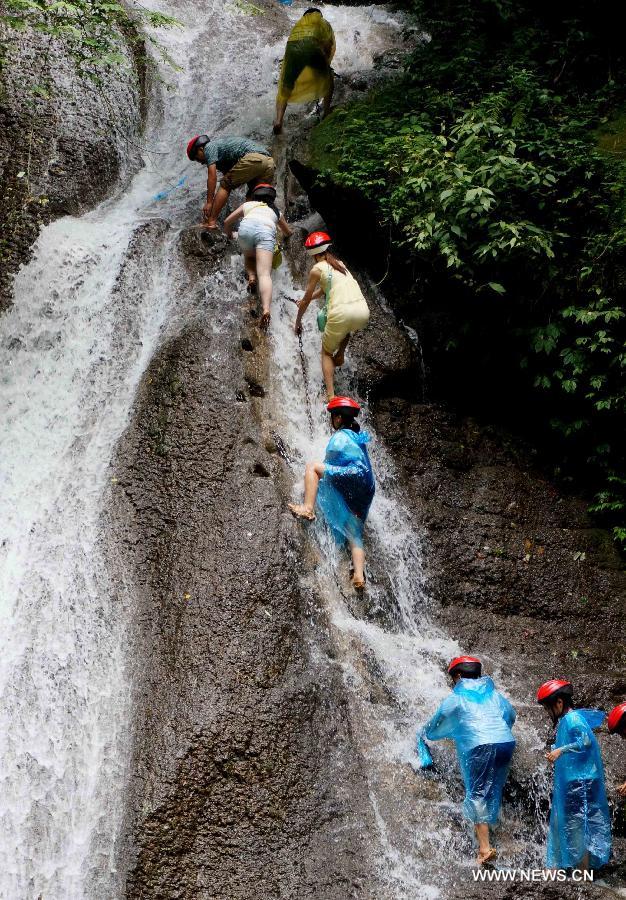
[(579, 836), (479, 720), (343, 485)]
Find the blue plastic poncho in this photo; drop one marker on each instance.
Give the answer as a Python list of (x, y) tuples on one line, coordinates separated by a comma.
[(347, 488), (479, 720), (579, 818)]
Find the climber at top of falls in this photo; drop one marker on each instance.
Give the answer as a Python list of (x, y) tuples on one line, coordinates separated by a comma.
[(306, 73), (617, 725), (343, 485), (479, 720), (257, 237), (345, 309), (580, 826), (240, 161)]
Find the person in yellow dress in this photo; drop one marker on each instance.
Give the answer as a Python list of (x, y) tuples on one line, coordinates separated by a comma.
[(346, 307), (306, 74)]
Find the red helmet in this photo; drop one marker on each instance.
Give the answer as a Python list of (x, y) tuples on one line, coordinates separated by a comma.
[(195, 143), (317, 242), (617, 718), (344, 403), (465, 665), (551, 689)]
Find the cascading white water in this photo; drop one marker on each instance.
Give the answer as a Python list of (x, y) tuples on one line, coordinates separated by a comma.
[(90, 310), (393, 644)]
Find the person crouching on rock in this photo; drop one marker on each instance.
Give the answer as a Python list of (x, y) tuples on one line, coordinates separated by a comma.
[(306, 73), (479, 720), (579, 835), (240, 161), (343, 485), (345, 308), (617, 725), (257, 238)]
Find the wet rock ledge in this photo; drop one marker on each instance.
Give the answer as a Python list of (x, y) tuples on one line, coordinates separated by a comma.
[(244, 783), (65, 140)]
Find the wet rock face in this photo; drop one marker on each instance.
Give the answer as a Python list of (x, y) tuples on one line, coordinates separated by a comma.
[(64, 140), (245, 784), (518, 574)]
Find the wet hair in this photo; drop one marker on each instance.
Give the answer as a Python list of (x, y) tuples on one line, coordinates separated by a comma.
[(334, 263), (468, 674), (310, 10), (348, 419)]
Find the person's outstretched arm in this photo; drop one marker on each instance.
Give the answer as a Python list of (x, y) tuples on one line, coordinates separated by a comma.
[(284, 226), (211, 182), (303, 304), (229, 222)]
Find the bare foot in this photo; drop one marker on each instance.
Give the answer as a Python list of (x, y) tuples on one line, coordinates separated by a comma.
[(251, 287), (358, 583), (486, 856), (210, 226), (265, 321), (301, 511)]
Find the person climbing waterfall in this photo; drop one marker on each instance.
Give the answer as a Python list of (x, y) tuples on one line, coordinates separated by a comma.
[(479, 720), (306, 73), (240, 161), (616, 723), (343, 485), (345, 308), (579, 835), (257, 238)]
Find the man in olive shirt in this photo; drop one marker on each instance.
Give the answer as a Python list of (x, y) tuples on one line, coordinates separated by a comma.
[(239, 159)]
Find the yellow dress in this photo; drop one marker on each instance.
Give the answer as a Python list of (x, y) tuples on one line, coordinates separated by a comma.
[(347, 308), (305, 73)]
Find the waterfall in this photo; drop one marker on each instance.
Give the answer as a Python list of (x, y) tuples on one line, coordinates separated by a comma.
[(101, 294)]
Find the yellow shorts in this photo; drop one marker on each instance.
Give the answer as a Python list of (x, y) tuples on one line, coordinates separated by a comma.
[(343, 320), (251, 167)]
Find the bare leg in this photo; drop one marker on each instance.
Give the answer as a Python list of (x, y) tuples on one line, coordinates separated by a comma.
[(219, 202), (329, 96), (340, 354), (358, 565), (312, 474), (249, 261), (485, 850), (328, 371), (280, 115), (264, 272)]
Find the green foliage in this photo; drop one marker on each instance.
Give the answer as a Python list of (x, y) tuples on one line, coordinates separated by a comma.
[(489, 174), (90, 29)]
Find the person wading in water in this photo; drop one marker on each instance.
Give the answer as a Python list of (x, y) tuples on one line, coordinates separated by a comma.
[(306, 73), (259, 217), (579, 836), (479, 720), (343, 485), (345, 308), (240, 161)]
